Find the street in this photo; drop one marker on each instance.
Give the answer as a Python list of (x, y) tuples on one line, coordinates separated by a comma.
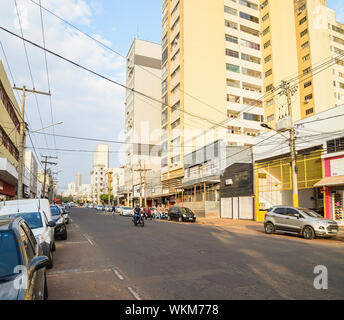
[(107, 257)]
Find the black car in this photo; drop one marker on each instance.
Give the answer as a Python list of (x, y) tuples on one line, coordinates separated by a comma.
[(22, 263), (60, 228), (181, 214)]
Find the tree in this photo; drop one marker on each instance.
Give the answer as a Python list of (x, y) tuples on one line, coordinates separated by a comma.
[(104, 198)]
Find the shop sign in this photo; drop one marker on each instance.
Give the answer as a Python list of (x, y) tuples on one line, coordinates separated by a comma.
[(337, 167)]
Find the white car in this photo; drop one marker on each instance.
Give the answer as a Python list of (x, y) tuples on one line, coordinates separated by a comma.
[(127, 211), (37, 214)]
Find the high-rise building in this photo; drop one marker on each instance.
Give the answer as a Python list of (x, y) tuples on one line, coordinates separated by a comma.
[(299, 39), (142, 115), (9, 137), (211, 79), (78, 181), (100, 165)]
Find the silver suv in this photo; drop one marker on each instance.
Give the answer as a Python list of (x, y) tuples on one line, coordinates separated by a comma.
[(299, 220)]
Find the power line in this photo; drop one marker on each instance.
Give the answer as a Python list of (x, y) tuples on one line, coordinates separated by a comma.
[(29, 66)]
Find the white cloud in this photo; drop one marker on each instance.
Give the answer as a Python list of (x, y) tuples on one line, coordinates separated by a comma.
[(88, 105)]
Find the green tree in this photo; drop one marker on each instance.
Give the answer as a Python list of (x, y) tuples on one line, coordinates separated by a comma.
[(104, 198)]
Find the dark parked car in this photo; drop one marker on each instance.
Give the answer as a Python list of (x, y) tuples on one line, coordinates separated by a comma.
[(181, 214), (22, 263), (60, 228)]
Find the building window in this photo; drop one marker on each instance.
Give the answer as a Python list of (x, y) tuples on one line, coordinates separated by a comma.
[(231, 11), (269, 88), (232, 53), (270, 102), (164, 56), (231, 24), (334, 28), (307, 84), (249, 17), (250, 44), (335, 145), (231, 39), (303, 33), (305, 45), (267, 59), (266, 17), (264, 4), (268, 73), (233, 68), (250, 31), (303, 20), (248, 4), (300, 10), (251, 73), (309, 111), (233, 83), (250, 58), (267, 44), (306, 58), (306, 71), (233, 98), (308, 97), (266, 31)]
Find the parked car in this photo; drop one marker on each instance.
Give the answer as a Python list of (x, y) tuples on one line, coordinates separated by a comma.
[(65, 214), (100, 208), (300, 221), (127, 212), (37, 214), (90, 206), (181, 214), (22, 263), (60, 228)]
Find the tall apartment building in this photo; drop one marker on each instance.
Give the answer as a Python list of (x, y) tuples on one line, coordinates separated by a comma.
[(100, 166), (211, 75), (31, 171), (78, 181), (142, 115), (298, 35), (9, 137)]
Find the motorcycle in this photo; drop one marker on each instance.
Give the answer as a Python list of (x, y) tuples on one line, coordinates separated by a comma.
[(140, 221)]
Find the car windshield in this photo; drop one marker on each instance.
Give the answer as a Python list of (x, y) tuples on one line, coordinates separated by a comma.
[(33, 219), (9, 254), (186, 211), (310, 213), (126, 208), (55, 211)]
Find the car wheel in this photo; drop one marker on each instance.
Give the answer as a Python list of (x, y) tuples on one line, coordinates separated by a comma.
[(180, 219), (45, 294), (269, 228), (51, 260), (308, 233), (53, 247)]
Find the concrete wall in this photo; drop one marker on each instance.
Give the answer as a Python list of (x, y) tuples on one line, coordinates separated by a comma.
[(207, 209)]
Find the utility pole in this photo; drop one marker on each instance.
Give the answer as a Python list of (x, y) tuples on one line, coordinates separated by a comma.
[(45, 170), (286, 90), (22, 139), (109, 186), (117, 189), (144, 170)]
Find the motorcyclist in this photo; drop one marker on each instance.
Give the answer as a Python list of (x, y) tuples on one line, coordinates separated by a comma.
[(137, 212)]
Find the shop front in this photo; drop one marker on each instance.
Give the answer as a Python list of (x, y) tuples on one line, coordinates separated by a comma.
[(8, 180), (333, 186)]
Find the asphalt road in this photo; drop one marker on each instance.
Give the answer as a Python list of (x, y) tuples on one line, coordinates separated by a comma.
[(108, 257)]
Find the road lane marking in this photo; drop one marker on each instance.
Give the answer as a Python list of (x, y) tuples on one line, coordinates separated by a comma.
[(74, 271), (134, 293), (119, 276), (89, 240)]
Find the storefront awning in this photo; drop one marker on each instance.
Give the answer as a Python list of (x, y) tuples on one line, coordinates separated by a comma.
[(331, 182)]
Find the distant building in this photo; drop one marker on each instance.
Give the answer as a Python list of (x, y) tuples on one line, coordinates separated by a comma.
[(78, 181)]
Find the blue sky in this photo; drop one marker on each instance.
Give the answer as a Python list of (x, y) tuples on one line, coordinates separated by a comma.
[(88, 106)]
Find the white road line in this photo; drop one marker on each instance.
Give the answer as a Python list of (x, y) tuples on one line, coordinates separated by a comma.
[(89, 240), (74, 271), (119, 276), (134, 293)]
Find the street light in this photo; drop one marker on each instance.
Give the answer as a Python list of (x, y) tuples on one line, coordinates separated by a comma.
[(266, 126), (52, 125)]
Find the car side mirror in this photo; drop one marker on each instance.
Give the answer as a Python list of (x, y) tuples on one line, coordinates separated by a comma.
[(51, 224), (297, 215), (38, 263)]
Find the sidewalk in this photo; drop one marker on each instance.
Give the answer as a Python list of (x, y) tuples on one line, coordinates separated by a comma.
[(247, 225)]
